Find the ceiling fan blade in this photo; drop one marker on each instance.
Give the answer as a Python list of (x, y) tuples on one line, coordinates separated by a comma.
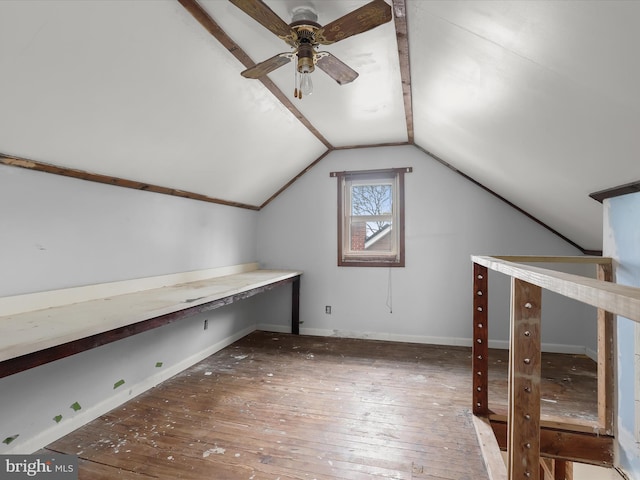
[(336, 69), (262, 14), (268, 66), (360, 20)]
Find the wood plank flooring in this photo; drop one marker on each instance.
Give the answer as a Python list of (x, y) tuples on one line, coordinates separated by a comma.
[(569, 386), (278, 406)]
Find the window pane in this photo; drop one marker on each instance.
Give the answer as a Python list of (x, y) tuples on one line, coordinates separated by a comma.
[(381, 240), (371, 199), (358, 236), (371, 236)]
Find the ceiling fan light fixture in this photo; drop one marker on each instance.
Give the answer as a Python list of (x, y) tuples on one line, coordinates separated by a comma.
[(304, 66), (306, 85)]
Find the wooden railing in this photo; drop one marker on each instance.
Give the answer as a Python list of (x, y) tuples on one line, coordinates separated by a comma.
[(521, 429)]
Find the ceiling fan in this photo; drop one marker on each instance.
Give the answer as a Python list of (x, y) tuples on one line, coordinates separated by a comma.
[(304, 34)]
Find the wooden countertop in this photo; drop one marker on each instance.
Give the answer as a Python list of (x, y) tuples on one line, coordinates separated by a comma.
[(28, 332)]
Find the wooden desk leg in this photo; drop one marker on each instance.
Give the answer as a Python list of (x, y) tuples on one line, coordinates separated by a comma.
[(295, 306)]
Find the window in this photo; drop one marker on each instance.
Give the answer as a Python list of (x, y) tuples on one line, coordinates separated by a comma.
[(371, 218)]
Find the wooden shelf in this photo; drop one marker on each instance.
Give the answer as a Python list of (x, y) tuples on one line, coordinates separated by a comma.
[(32, 338)]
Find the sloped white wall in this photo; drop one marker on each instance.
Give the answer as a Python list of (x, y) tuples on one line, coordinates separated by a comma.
[(58, 232), (447, 219)]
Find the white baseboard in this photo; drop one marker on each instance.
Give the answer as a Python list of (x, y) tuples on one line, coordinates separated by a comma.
[(450, 341), (592, 354), (267, 327), (547, 347), (64, 428)]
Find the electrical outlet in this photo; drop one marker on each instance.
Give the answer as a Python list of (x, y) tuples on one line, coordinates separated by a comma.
[(206, 324), (327, 309)]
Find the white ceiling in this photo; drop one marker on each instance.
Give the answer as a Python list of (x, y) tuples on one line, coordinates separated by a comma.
[(538, 101)]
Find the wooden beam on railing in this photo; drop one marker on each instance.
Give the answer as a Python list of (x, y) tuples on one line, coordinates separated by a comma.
[(480, 350), (553, 259), (566, 445), (496, 469), (606, 365), (615, 298), (559, 421), (524, 381)]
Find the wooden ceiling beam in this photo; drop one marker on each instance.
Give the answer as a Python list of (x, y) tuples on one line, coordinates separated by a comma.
[(402, 36), (201, 15), (110, 180)]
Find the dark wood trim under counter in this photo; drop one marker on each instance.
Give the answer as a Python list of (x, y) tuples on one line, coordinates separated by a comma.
[(120, 316)]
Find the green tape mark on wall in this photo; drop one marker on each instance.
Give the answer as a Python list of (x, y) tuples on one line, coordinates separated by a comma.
[(118, 384), (158, 364), (8, 440), (76, 406), (57, 418)]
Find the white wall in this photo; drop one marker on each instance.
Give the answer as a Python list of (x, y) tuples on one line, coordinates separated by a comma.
[(622, 243), (58, 232), (447, 219)]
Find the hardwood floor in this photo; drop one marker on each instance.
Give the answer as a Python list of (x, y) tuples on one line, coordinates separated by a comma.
[(278, 406), (569, 385)]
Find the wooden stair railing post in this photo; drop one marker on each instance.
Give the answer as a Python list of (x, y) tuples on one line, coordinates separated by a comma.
[(562, 470), (480, 350), (523, 446), (556, 469), (606, 363)]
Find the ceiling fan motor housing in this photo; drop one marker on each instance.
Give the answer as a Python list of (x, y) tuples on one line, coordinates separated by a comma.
[(305, 58), (303, 14)]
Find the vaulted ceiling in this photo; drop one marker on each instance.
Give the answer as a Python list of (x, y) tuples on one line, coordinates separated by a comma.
[(536, 101)]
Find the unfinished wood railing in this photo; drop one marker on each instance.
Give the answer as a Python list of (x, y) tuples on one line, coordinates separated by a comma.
[(521, 429)]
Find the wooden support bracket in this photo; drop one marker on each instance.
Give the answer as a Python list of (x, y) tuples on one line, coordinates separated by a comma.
[(606, 364), (524, 382), (566, 445), (480, 349)]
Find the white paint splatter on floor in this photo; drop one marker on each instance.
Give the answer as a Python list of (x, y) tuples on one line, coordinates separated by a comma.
[(216, 450)]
